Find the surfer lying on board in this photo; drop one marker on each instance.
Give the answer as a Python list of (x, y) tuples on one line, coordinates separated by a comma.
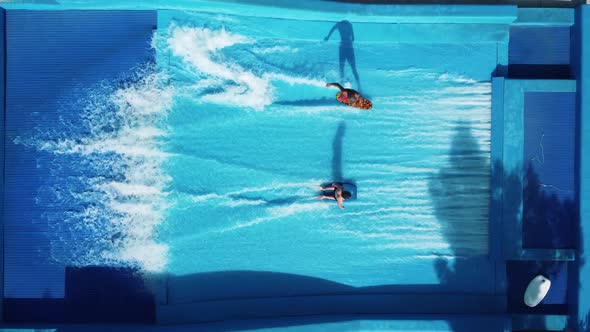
[(348, 95), (351, 97), (339, 194)]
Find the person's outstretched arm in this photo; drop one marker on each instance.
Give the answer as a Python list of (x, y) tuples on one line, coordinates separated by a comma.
[(326, 188), (331, 31), (336, 85), (339, 201)]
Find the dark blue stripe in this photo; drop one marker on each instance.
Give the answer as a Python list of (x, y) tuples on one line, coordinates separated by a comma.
[(53, 57)]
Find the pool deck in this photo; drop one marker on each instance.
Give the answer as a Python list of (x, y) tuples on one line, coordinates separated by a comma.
[(582, 312)]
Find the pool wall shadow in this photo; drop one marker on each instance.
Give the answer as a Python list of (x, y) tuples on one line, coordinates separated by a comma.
[(337, 143), (460, 195), (228, 295), (92, 295)]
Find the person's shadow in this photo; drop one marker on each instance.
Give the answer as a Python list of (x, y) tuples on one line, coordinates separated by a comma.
[(337, 153), (346, 49)]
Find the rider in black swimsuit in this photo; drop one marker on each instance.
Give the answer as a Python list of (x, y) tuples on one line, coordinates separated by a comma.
[(339, 194)]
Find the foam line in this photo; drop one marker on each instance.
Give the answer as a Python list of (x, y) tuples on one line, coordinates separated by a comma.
[(200, 47), (125, 200)]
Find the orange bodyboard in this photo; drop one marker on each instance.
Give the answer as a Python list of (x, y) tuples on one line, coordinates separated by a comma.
[(361, 103)]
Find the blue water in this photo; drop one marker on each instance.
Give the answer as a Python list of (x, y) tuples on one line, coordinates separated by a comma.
[(253, 131), (209, 161)]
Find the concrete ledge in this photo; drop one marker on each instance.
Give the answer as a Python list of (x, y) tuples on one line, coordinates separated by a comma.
[(398, 32), (582, 33), (309, 10), (545, 16), (376, 323), (539, 322), (330, 305), (508, 132), (544, 255), (2, 117)]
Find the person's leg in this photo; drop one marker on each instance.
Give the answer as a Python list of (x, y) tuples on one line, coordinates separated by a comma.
[(326, 197), (341, 60), (336, 85), (352, 62)]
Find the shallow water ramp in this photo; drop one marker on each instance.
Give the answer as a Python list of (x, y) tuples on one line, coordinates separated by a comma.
[(225, 295)]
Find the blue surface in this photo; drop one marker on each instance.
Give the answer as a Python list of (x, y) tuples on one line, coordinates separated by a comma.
[(49, 67), (357, 323), (540, 45), (549, 198), (511, 166), (307, 10), (582, 296), (332, 304), (2, 108), (545, 17)]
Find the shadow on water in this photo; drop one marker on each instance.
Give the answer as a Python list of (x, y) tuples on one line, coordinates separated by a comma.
[(458, 193), (346, 51), (337, 152), (460, 196), (91, 294), (549, 218), (548, 222)]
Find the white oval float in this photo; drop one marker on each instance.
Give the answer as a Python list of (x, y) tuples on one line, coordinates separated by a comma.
[(536, 291)]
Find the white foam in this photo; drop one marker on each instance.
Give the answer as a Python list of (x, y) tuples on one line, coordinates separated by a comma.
[(291, 80), (151, 255), (199, 48), (277, 186), (411, 72), (416, 244), (129, 189), (446, 77), (242, 202), (479, 88), (279, 212), (206, 197), (275, 49), (133, 205)]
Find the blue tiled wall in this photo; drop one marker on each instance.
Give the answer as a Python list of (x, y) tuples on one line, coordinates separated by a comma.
[(51, 56)]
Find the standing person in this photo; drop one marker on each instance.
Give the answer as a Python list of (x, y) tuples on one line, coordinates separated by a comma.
[(346, 48)]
